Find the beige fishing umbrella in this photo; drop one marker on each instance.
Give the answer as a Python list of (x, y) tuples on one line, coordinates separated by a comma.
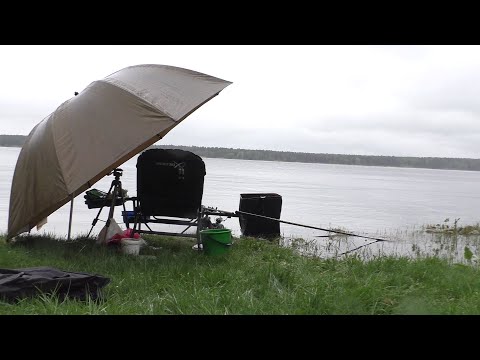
[(96, 131)]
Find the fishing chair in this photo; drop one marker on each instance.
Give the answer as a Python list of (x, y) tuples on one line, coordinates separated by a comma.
[(169, 191)]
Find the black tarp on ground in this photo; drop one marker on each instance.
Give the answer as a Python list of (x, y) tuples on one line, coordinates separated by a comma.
[(30, 282)]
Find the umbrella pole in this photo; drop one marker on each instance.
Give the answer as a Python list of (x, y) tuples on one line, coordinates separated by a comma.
[(70, 221), (71, 207)]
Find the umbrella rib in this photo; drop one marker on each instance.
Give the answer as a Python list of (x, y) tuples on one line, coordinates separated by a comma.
[(121, 85)]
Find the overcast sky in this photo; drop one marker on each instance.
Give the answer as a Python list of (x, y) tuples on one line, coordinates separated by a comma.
[(369, 100)]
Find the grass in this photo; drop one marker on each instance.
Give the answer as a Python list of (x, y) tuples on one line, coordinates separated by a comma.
[(255, 277), (454, 229)]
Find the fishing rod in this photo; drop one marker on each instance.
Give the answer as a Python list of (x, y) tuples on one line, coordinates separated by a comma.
[(302, 225), (359, 247), (311, 227)]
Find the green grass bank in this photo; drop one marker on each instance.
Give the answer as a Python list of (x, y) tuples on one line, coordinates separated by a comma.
[(255, 277)]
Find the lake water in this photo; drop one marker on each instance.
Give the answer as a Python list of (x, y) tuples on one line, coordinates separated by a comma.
[(374, 201)]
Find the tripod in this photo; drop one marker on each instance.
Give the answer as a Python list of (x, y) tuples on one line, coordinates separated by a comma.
[(116, 186)]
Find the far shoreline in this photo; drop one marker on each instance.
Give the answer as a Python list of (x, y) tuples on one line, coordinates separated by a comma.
[(437, 163)]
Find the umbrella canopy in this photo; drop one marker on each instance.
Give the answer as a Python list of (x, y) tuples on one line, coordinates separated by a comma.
[(93, 133)]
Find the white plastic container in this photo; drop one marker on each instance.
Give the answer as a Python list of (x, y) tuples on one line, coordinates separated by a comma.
[(131, 246)]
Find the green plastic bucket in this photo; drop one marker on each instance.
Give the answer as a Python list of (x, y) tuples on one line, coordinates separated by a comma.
[(216, 241)]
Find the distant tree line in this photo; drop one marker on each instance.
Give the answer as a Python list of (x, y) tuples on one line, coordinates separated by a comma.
[(270, 155), (365, 160), (12, 140)]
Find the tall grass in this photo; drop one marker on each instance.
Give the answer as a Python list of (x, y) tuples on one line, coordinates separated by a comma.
[(453, 246), (255, 277)]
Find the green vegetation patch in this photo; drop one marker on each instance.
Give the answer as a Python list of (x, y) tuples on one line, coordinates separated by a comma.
[(255, 277)]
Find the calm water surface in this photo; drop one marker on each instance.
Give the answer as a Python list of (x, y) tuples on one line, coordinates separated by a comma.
[(392, 202)]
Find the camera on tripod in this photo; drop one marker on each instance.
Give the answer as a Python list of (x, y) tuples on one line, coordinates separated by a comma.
[(116, 172), (114, 197)]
